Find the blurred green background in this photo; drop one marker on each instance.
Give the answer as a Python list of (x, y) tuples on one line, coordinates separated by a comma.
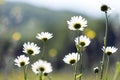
[(20, 23)]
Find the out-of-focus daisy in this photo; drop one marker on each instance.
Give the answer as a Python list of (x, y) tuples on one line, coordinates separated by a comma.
[(44, 36), (96, 70), (71, 58), (41, 66), (21, 60), (82, 41), (31, 48), (109, 50), (77, 23), (105, 6)]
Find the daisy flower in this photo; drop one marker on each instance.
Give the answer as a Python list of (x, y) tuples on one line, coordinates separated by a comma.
[(82, 41), (21, 60), (96, 70), (77, 23), (41, 66), (105, 6), (71, 58), (109, 50), (31, 48), (44, 36)]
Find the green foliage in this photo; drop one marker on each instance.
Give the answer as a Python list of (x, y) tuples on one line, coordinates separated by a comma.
[(118, 67), (78, 76)]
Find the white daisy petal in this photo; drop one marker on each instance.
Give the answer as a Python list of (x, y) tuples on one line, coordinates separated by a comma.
[(71, 58), (109, 50), (31, 48), (77, 23), (82, 41), (41, 66), (21, 60), (44, 36)]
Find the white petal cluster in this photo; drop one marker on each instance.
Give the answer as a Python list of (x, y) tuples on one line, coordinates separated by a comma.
[(41, 66), (21, 60), (77, 23), (82, 41), (71, 58), (44, 36), (109, 50), (31, 48)]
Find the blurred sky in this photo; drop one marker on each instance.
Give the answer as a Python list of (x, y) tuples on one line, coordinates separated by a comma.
[(89, 7)]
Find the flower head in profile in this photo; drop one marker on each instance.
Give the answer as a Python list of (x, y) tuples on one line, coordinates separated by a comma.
[(31, 48), (77, 23), (109, 50), (71, 58), (105, 6), (96, 70), (82, 41), (44, 36), (21, 61), (41, 66)]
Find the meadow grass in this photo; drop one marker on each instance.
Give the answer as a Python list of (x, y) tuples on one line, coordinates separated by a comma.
[(55, 76)]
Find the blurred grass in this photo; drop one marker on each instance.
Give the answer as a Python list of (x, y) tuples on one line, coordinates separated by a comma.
[(55, 76)]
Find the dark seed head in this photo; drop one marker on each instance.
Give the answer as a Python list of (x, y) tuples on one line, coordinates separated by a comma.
[(42, 69), (82, 43), (72, 61), (109, 53), (96, 70), (44, 39), (22, 63), (77, 26), (104, 8), (29, 51)]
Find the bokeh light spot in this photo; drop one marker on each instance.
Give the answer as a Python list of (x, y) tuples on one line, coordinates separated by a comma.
[(16, 36), (90, 33), (52, 52)]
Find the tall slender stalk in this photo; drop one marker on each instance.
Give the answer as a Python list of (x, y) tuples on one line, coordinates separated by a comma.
[(80, 51), (25, 73), (107, 66), (81, 62), (40, 76), (43, 52), (96, 76), (105, 44), (75, 69)]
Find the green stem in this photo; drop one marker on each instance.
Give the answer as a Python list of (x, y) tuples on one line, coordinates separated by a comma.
[(81, 62), (96, 76), (25, 74), (40, 76), (107, 67), (43, 52), (75, 71), (105, 44)]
